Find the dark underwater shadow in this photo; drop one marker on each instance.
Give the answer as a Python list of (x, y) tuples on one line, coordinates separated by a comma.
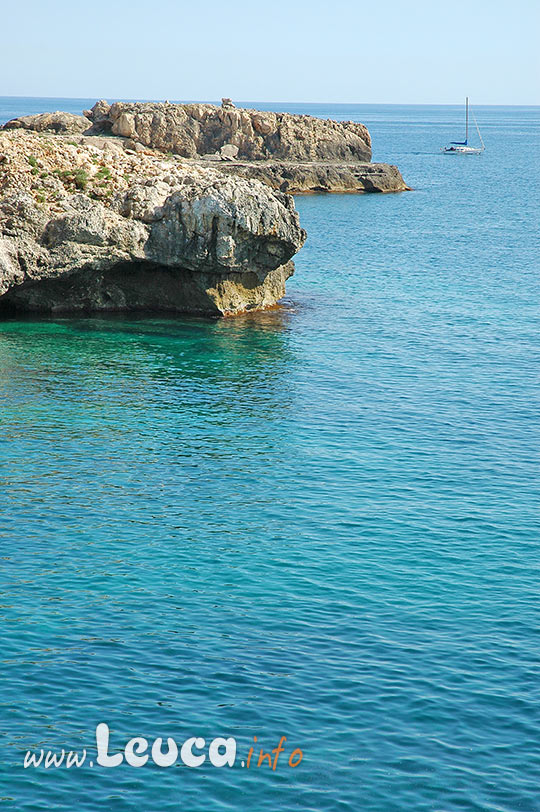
[(241, 363)]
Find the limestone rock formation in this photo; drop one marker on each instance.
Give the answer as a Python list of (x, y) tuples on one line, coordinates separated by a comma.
[(58, 122), (319, 176), (228, 152), (93, 227), (190, 130), (99, 117), (292, 153)]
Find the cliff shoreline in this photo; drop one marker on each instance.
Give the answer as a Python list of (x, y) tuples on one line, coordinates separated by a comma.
[(97, 228), (166, 208), (297, 154)]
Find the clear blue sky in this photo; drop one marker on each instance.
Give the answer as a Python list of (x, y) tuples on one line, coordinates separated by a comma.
[(381, 51)]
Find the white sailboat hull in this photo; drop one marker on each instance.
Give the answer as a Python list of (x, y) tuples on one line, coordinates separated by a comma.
[(463, 150)]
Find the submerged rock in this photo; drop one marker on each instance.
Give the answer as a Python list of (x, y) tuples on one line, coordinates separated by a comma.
[(93, 227)]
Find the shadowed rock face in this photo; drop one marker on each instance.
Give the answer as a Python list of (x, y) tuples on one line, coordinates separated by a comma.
[(315, 176), (192, 130), (84, 228)]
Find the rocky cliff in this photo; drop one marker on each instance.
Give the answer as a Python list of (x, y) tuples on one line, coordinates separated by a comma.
[(92, 227), (305, 177), (291, 153), (191, 130)]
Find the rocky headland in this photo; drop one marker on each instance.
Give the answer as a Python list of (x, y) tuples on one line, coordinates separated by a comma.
[(166, 207), (292, 153), (86, 227), (191, 130)]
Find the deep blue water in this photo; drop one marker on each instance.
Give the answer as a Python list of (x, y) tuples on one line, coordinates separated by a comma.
[(320, 522)]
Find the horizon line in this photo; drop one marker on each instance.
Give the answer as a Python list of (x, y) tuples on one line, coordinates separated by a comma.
[(267, 101)]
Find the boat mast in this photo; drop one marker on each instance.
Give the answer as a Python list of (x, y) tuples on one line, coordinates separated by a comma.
[(466, 119)]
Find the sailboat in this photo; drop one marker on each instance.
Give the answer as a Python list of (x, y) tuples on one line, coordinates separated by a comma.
[(462, 147)]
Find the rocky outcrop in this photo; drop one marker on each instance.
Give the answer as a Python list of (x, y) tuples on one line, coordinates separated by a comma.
[(58, 122), (93, 227), (302, 178), (192, 130), (292, 153)]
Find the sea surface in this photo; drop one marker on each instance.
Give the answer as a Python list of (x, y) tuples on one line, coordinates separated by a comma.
[(320, 522)]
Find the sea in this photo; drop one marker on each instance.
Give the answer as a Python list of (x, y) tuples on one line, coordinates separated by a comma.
[(320, 522)]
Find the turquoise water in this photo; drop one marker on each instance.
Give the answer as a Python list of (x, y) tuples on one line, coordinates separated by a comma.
[(320, 522)]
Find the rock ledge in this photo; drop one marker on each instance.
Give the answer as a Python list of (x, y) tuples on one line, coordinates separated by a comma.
[(293, 153), (94, 227)]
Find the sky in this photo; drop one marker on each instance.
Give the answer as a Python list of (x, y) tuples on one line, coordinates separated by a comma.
[(382, 51)]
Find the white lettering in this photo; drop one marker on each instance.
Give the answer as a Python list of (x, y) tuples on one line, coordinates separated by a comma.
[(134, 746), (73, 759), (30, 759), (186, 753), (102, 743), (164, 759), (221, 759)]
